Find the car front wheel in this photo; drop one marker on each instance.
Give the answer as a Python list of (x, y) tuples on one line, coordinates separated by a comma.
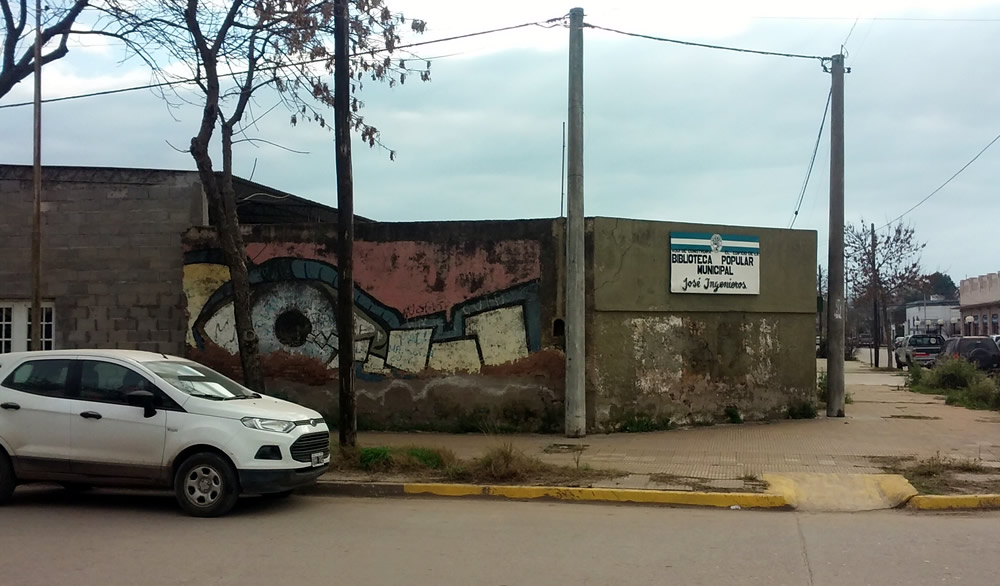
[(206, 485)]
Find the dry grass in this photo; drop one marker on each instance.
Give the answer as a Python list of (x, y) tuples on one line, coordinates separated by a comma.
[(938, 475), (502, 464)]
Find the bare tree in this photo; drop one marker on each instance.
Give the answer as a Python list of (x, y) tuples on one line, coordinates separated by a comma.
[(18, 58), (233, 50), (883, 267)]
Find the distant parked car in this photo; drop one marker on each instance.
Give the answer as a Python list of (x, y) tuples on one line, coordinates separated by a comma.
[(979, 350), (922, 349), (865, 340), (900, 351)]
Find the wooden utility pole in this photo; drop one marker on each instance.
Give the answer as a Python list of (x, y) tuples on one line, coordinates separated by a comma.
[(345, 225), (576, 354), (36, 222), (835, 286)]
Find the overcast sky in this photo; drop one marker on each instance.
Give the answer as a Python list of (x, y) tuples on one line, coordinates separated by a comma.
[(671, 132)]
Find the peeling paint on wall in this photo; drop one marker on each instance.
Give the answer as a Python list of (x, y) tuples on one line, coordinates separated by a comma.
[(457, 356)]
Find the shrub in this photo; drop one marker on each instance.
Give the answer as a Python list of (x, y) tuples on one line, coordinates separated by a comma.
[(915, 376), (734, 415), (953, 373), (981, 394), (801, 410)]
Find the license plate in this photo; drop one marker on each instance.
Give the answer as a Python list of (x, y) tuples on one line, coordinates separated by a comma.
[(317, 458)]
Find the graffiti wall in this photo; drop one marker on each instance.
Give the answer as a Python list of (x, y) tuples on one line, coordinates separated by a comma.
[(447, 304)]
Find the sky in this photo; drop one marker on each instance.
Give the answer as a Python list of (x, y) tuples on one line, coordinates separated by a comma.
[(670, 132)]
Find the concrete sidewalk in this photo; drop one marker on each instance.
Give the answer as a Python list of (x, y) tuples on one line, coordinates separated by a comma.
[(885, 420)]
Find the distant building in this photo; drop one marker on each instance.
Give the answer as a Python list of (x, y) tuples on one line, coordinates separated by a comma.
[(980, 306), (936, 315)]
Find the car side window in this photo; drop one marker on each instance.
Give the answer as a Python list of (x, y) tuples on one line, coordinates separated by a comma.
[(106, 382), (40, 377), (110, 383)]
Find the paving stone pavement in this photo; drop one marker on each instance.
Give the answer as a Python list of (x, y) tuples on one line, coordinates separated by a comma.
[(884, 420)]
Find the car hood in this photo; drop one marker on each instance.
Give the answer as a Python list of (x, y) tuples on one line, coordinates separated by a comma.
[(264, 407)]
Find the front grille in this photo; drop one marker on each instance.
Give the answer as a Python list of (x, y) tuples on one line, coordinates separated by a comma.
[(307, 445)]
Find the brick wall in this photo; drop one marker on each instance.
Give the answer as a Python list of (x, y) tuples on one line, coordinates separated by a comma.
[(112, 259)]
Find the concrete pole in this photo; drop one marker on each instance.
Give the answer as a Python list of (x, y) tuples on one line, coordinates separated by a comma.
[(36, 223), (576, 354), (835, 307)]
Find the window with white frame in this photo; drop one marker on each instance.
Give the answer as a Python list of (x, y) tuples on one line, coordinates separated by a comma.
[(15, 326)]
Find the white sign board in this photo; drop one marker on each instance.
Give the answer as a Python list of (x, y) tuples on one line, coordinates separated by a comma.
[(714, 264)]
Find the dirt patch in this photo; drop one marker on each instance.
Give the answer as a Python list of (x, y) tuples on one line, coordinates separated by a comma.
[(502, 464), (939, 475), (564, 448), (920, 417), (746, 483)]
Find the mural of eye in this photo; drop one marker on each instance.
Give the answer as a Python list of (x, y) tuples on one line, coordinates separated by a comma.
[(298, 317), (293, 306)]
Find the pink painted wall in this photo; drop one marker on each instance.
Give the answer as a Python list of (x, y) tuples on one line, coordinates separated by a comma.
[(419, 278)]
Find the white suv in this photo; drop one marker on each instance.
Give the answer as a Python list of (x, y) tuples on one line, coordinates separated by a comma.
[(123, 418)]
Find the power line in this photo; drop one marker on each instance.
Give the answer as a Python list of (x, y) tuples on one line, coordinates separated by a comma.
[(885, 18), (850, 32), (704, 45), (931, 194), (545, 24), (812, 161)]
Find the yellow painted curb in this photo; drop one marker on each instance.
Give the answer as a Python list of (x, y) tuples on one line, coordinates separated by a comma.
[(745, 500), (927, 502)]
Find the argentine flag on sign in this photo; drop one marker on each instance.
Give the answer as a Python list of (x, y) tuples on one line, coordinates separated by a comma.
[(706, 242)]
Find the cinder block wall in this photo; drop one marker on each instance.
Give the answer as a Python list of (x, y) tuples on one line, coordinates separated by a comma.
[(112, 260)]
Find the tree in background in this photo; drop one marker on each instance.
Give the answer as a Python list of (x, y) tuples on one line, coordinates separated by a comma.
[(882, 267), (233, 51), (17, 41)]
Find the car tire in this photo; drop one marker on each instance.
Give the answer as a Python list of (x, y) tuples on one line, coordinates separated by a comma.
[(7, 480), (206, 485)]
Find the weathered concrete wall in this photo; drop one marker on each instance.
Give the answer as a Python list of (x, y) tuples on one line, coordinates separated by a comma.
[(111, 252), (684, 358), (452, 319)]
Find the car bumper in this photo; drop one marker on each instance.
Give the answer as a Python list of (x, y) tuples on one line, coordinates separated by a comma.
[(279, 480)]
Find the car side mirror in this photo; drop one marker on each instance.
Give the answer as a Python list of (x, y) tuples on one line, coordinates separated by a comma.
[(143, 399)]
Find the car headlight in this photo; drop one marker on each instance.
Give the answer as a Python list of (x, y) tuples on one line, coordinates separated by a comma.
[(262, 424)]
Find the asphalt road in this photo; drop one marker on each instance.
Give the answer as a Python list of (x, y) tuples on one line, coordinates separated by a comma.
[(106, 538)]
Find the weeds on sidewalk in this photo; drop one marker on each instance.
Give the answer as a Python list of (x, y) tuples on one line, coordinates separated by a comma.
[(822, 388), (938, 475), (502, 464), (959, 381)]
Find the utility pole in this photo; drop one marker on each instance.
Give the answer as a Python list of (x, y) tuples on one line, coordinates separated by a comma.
[(876, 324), (36, 222), (819, 294), (576, 353), (835, 270), (345, 225)]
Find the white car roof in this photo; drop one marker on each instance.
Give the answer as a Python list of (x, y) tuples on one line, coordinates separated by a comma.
[(133, 355)]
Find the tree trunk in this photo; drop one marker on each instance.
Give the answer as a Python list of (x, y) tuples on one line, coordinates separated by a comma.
[(223, 201)]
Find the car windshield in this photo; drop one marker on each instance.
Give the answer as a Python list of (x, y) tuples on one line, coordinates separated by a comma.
[(925, 341), (199, 381)]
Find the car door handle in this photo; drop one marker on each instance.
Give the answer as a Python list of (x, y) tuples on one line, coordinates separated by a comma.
[(10, 406), (90, 415)]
